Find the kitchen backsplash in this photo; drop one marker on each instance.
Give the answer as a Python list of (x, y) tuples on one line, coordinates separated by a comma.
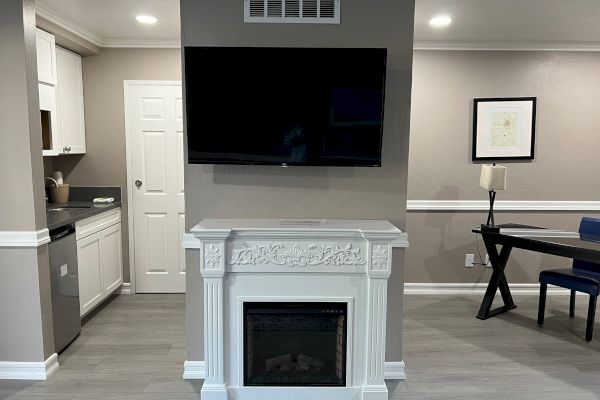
[(88, 193)]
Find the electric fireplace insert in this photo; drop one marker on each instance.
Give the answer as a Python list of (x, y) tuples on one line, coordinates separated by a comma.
[(295, 344)]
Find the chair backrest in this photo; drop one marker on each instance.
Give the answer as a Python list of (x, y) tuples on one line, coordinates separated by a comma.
[(588, 226)]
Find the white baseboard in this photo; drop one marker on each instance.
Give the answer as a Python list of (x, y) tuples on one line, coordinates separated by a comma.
[(125, 288), (38, 371), (394, 370), (196, 370), (477, 288)]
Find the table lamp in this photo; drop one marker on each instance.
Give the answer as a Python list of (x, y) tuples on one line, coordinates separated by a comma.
[(493, 177)]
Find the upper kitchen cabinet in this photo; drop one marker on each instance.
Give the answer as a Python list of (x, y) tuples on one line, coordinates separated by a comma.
[(69, 102), (48, 116), (46, 57), (61, 97)]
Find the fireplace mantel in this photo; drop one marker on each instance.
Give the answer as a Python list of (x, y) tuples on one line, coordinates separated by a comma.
[(252, 260)]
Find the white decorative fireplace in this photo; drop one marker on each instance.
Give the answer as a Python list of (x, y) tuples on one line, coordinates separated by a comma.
[(295, 309)]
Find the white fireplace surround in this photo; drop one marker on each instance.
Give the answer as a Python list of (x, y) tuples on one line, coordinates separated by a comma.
[(294, 261)]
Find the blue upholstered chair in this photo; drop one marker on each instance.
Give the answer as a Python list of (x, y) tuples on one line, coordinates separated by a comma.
[(583, 277)]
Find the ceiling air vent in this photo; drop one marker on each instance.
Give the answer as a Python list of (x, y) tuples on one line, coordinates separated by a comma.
[(255, 8), (292, 11)]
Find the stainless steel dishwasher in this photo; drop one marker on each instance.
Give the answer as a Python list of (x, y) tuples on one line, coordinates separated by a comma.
[(64, 279)]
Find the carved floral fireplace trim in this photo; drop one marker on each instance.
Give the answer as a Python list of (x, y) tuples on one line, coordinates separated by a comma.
[(270, 261)]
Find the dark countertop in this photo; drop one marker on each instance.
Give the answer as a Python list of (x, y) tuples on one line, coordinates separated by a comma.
[(56, 219)]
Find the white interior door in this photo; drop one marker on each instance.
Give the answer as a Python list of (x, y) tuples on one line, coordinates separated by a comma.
[(155, 150)]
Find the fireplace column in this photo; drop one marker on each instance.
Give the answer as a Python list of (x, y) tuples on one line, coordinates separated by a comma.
[(212, 253), (379, 270)]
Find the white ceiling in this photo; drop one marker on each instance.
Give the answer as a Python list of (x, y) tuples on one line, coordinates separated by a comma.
[(510, 24), (111, 23), (486, 24)]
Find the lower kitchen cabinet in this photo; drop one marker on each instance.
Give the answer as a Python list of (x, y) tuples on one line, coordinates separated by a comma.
[(112, 259), (99, 258), (89, 261)]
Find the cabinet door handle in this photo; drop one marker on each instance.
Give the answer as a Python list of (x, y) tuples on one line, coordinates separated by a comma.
[(138, 183)]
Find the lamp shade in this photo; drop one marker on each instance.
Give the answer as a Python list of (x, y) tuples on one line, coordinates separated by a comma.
[(493, 177)]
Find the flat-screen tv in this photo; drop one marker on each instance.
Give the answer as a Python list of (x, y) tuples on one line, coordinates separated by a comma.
[(285, 106)]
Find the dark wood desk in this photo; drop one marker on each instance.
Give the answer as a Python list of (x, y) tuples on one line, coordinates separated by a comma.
[(582, 248)]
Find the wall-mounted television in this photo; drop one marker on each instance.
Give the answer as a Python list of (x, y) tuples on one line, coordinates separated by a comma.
[(285, 106)]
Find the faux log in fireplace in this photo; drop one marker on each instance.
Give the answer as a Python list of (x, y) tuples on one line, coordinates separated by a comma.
[(295, 344)]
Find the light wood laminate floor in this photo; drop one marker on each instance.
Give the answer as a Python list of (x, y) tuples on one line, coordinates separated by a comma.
[(135, 347)]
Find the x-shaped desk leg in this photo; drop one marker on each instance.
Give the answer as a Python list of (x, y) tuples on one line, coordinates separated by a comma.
[(498, 280)]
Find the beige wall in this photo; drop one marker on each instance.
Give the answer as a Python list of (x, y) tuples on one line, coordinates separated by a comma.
[(25, 309), (440, 168), (104, 163), (315, 192)]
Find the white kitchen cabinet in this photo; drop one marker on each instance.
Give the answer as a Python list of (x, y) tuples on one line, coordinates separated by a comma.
[(112, 259), (60, 80), (69, 101), (46, 57), (99, 257), (89, 261), (48, 115)]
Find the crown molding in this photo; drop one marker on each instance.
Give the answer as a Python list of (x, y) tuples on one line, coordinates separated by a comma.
[(58, 19), (505, 46), (143, 43)]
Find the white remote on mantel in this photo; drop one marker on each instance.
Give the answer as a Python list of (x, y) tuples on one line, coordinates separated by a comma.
[(103, 200)]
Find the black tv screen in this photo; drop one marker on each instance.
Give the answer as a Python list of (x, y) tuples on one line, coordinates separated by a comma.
[(285, 106)]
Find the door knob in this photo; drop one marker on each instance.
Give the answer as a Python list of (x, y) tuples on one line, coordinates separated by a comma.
[(138, 183)]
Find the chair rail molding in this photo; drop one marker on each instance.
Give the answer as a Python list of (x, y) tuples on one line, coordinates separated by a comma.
[(24, 238), (502, 205), (38, 371)]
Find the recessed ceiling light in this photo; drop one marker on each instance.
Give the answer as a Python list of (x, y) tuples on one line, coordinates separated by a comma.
[(440, 21), (146, 19)]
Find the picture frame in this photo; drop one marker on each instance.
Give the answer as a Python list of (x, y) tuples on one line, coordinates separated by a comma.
[(504, 128)]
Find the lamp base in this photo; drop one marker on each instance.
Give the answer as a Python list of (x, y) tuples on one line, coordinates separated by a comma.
[(490, 228)]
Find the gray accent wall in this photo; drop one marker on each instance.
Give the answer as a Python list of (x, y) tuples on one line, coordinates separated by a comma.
[(105, 161), (25, 307), (307, 192), (566, 165), (23, 205), (22, 336)]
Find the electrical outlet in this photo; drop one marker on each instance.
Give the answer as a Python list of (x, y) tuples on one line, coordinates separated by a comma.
[(469, 260)]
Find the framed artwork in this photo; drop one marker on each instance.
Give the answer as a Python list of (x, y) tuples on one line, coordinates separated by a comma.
[(504, 128)]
